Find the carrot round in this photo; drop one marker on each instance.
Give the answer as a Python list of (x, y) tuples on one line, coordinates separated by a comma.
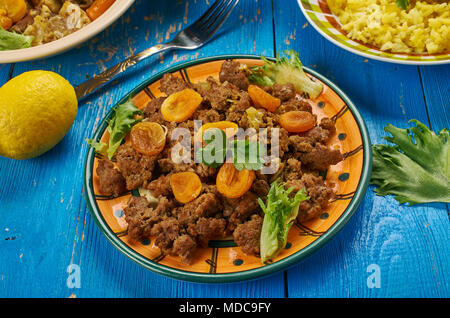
[(98, 8), (297, 121), (186, 186), (148, 138), (263, 99), (181, 105), (233, 183)]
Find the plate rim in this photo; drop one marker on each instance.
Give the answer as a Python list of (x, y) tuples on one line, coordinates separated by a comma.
[(360, 53), (250, 274)]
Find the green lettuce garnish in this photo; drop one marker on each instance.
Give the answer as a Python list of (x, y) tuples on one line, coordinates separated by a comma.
[(99, 147), (120, 124), (417, 168), (287, 69), (280, 212), (13, 41)]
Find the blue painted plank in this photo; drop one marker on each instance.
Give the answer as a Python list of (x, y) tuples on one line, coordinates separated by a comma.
[(408, 245), (4, 73), (436, 85), (45, 223)]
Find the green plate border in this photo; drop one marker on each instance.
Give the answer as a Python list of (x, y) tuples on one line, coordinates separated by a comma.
[(242, 275)]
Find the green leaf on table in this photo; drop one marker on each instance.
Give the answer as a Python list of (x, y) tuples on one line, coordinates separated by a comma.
[(280, 211), (416, 169)]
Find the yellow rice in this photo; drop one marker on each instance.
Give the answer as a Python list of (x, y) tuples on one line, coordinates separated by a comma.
[(422, 28)]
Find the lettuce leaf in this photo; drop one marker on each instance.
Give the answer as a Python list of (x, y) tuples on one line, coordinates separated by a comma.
[(280, 212), (99, 147), (287, 69), (416, 169), (120, 124), (14, 41)]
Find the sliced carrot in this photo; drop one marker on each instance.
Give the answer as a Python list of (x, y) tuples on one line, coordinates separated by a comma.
[(263, 99), (181, 105), (98, 8), (15, 9), (148, 138), (186, 186), (233, 183), (228, 127), (297, 121)]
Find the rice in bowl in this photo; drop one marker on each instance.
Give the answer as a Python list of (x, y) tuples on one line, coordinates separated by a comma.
[(423, 28)]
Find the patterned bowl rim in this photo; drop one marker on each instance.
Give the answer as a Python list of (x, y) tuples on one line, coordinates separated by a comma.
[(242, 275), (399, 58)]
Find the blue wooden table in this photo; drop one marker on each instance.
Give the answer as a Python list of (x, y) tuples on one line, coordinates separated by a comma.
[(386, 250)]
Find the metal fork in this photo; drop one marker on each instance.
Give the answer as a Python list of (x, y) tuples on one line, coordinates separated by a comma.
[(190, 38)]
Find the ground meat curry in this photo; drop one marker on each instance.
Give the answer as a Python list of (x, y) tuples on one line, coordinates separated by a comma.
[(182, 222)]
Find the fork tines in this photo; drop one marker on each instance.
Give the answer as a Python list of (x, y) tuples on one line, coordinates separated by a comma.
[(214, 17)]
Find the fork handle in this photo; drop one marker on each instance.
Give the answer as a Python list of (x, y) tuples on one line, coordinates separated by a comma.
[(89, 86)]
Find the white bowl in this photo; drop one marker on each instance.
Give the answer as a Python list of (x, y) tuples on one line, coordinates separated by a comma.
[(45, 50)]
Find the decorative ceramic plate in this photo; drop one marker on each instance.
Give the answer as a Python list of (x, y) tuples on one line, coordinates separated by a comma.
[(116, 10), (223, 261), (326, 23)]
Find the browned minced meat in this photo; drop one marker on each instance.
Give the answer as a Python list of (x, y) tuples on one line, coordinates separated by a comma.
[(206, 205), (320, 195), (152, 110), (221, 96), (180, 229), (240, 209), (321, 157), (185, 247), (261, 188), (135, 167), (171, 84), (294, 104), (235, 73), (160, 187), (284, 92), (310, 148), (206, 229), (141, 216), (247, 235), (172, 239), (111, 181), (208, 115)]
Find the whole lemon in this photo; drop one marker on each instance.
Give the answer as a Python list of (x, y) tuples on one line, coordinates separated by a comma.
[(37, 109)]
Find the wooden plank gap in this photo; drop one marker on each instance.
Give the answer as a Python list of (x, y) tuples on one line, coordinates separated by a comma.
[(273, 31), (425, 99), (11, 71)]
